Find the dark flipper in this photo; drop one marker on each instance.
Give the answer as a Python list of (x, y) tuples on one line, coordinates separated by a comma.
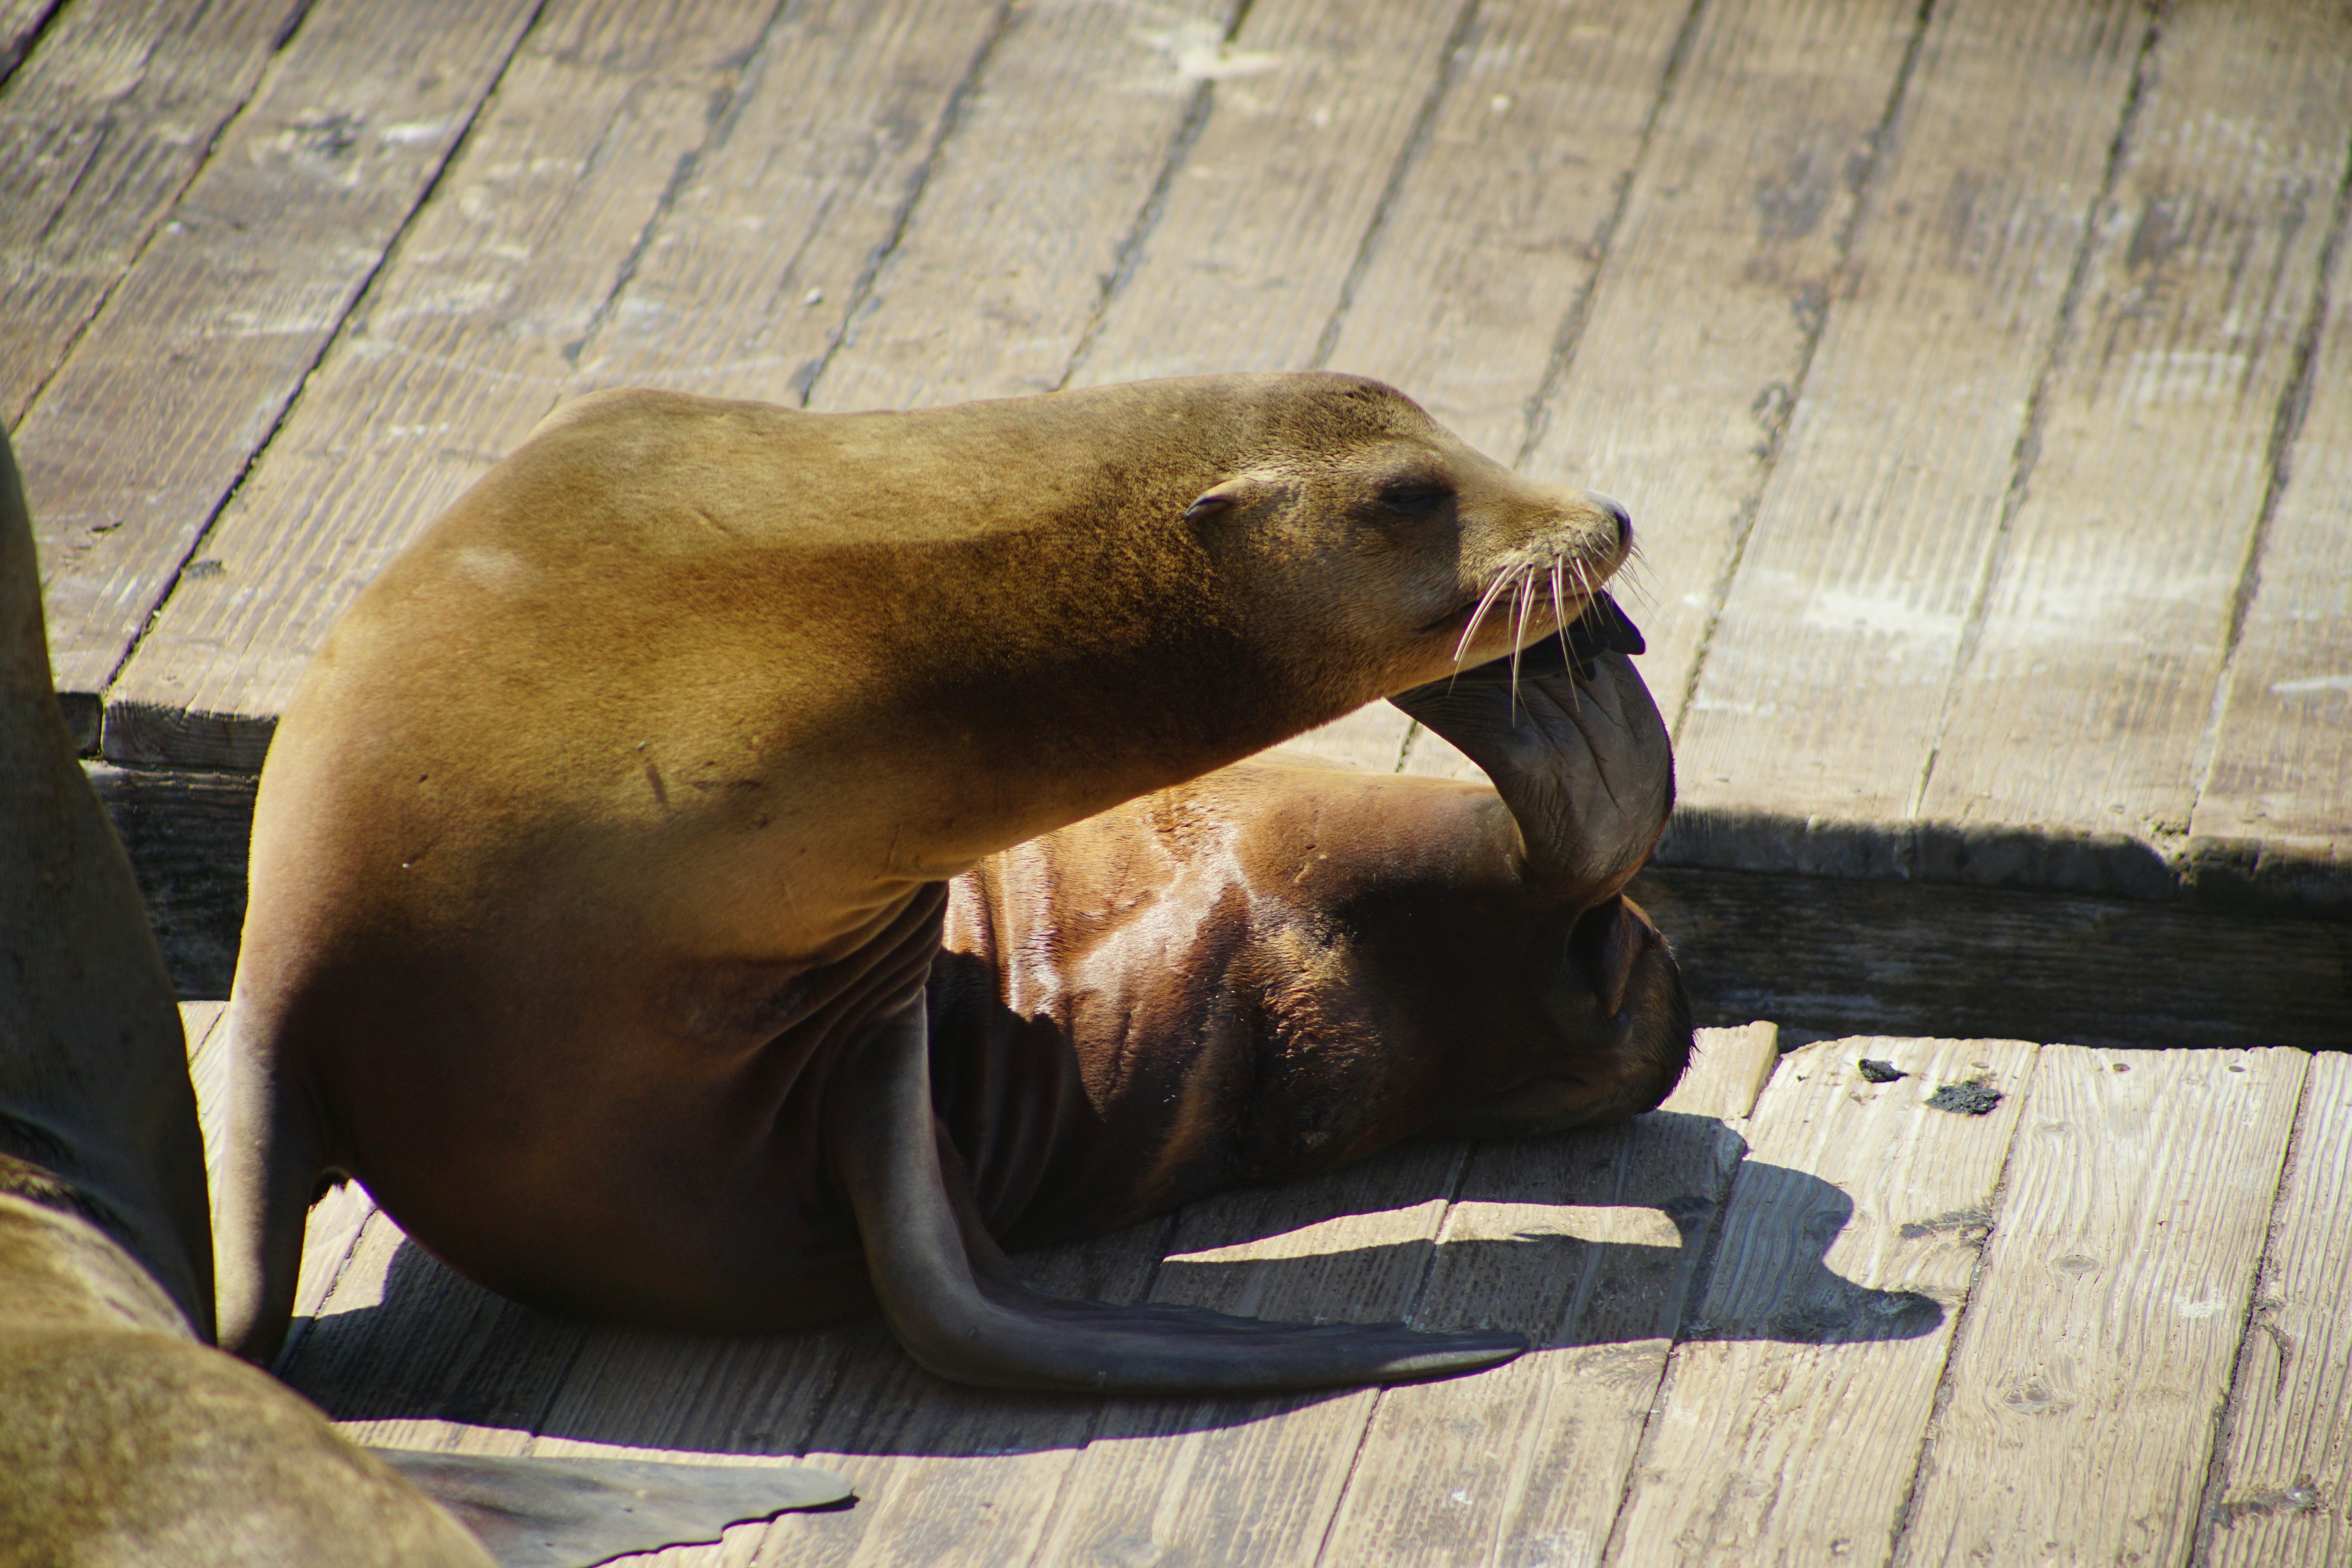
[(567, 1513), (960, 1310)]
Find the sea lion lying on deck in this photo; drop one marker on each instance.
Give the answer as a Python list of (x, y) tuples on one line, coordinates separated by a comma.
[(124, 1438), (601, 858)]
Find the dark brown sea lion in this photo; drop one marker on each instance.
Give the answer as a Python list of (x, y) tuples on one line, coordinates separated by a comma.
[(124, 1438), (601, 858), (1287, 965)]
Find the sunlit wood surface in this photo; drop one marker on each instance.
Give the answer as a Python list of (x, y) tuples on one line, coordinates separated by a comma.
[(1793, 1316)]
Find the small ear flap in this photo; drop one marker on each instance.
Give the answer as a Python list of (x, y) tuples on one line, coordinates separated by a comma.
[(1610, 938), (1217, 499), (1232, 494)]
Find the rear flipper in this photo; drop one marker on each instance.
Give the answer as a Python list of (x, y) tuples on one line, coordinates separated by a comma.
[(959, 1310), (270, 1166), (558, 1512)]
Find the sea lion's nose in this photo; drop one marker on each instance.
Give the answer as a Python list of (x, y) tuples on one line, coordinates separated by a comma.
[(1614, 509)]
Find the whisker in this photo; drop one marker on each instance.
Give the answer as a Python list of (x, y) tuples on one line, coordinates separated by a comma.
[(1560, 614), (1523, 600), (1478, 616)]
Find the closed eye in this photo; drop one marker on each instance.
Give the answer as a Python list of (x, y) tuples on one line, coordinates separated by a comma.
[(1414, 501)]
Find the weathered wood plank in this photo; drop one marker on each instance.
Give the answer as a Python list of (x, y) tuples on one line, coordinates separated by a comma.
[(1825, 678), (21, 22), (1020, 228), (1833, 956), (1587, 1244), (1784, 1430), (111, 115), (1232, 1480), (1705, 314), (2088, 1381), (457, 349), (133, 444), (2276, 1498), (2089, 689), (956, 1474), (1495, 233), (1314, 102), (745, 287), (405, 1355), (2274, 821)]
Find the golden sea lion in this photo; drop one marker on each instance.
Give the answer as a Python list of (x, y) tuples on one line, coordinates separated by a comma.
[(125, 1439), (601, 858)]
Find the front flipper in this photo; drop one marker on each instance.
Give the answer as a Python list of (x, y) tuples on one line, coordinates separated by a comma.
[(960, 1310), (567, 1512)]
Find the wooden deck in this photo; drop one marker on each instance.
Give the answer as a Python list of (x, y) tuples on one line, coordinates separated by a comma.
[(1979, 372), (1792, 1317), (1980, 375)]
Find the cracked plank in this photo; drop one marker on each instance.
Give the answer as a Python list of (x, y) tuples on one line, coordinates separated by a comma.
[(1705, 312), (747, 285), (109, 116), (1823, 681), (134, 446), (459, 347), (2087, 1385), (1314, 102), (1020, 228), (2275, 817), (2285, 1471), (2082, 706)]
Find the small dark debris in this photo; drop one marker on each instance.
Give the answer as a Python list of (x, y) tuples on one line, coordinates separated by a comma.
[(1880, 1072), (1974, 1098)]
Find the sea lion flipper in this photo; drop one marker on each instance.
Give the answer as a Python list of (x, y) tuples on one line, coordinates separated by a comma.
[(978, 1325), (565, 1512), (267, 1173)]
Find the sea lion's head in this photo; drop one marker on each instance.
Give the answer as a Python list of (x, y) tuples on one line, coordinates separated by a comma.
[(1383, 549)]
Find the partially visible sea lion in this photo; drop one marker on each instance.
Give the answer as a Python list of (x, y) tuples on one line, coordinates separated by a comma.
[(602, 857), (124, 1438), (1286, 965)]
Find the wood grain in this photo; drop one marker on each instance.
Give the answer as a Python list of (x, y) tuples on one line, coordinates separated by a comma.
[(1022, 224), (2274, 821), (2276, 1498), (1314, 103), (958, 1475), (405, 1354), (137, 440), (1706, 309), (2088, 692), (746, 286), (1825, 678), (1224, 1481), (1587, 1244), (1505, 211), (110, 114), (458, 347), (21, 22), (1789, 1416), (2088, 1381)]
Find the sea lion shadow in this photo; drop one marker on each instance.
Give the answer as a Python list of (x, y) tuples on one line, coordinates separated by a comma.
[(1663, 1258), (1660, 1262)]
